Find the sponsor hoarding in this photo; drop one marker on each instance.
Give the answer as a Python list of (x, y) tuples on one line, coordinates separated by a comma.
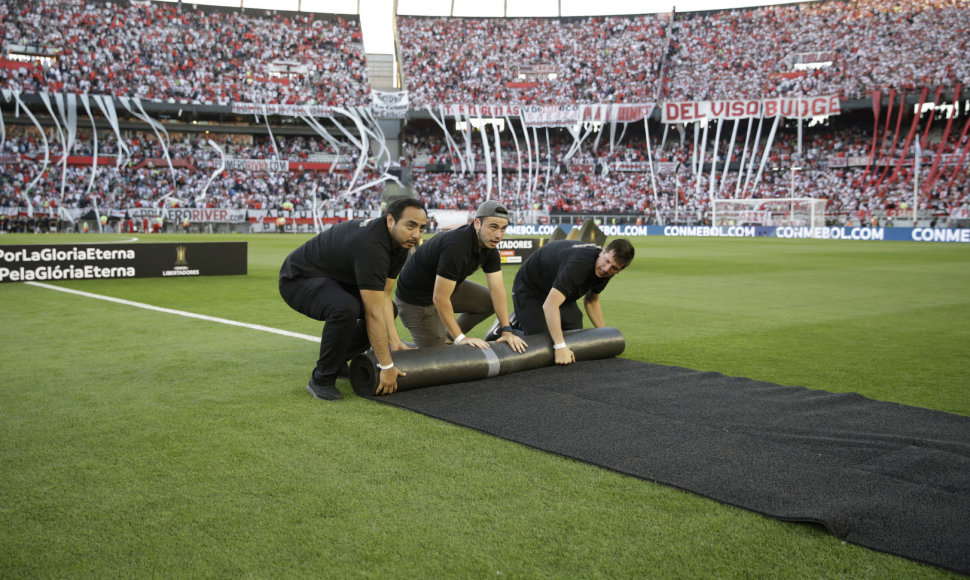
[(53, 262)]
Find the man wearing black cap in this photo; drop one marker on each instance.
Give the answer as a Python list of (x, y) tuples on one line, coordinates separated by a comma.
[(344, 277), (550, 281), (433, 288)]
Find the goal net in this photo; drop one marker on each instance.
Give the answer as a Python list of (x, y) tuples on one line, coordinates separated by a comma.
[(798, 212)]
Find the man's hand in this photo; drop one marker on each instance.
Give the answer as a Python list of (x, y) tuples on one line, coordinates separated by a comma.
[(399, 345), (476, 342), (514, 341), (564, 356), (388, 380)]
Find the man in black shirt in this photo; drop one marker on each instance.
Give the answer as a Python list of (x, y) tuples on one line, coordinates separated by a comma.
[(344, 277), (433, 287), (550, 281)]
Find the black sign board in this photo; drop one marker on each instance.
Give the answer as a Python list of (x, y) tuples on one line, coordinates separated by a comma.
[(516, 250), (53, 262)]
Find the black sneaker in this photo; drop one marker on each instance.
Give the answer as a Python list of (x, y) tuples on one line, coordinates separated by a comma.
[(325, 390)]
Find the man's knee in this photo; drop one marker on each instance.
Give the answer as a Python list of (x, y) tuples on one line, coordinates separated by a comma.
[(344, 311)]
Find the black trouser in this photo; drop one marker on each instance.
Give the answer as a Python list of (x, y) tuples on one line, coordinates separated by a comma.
[(340, 308), (532, 319)]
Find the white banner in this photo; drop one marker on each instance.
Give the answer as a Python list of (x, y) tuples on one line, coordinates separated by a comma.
[(266, 165), (389, 105), (557, 115), (960, 213), (566, 115), (288, 110), (193, 214), (643, 166), (790, 108), (481, 110), (946, 160)]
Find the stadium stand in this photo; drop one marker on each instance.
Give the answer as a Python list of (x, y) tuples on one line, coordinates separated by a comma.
[(194, 68), (170, 53)]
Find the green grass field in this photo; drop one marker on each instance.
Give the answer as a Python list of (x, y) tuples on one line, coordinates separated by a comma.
[(142, 444)]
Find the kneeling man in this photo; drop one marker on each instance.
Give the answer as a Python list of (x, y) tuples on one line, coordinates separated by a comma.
[(432, 287), (550, 281)]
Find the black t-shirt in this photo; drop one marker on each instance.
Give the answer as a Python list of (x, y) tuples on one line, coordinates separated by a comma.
[(453, 255), (357, 253), (567, 265)]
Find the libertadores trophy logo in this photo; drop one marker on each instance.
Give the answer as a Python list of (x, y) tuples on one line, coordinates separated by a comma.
[(180, 256)]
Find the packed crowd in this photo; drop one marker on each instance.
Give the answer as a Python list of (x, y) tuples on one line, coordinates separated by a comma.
[(594, 60), (171, 51), (746, 53), (218, 56), (593, 180), (139, 184), (871, 44), (580, 184)]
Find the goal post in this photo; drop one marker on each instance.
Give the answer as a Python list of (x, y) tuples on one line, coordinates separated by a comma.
[(793, 211)]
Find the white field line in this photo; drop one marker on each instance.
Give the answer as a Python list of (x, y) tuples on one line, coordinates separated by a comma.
[(178, 312)]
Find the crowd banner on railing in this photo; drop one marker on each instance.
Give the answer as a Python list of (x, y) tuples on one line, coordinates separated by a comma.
[(556, 115), (789, 108), (389, 104), (567, 115), (264, 165), (193, 214), (281, 109), (835, 162)]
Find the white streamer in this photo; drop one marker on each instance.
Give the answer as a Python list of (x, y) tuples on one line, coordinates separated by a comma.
[(316, 126), (159, 130), (768, 144), (498, 156), (528, 154), (653, 176), (488, 160), (700, 163), (744, 157), (272, 139), (754, 153), (40, 174), (696, 159), (518, 156), (717, 142), (217, 172), (69, 117), (3, 128), (535, 139), (94, 138), (469, 154), (107, 107), (362, 159), (56, 119), (727, 160), (548, 161), (452, 145)]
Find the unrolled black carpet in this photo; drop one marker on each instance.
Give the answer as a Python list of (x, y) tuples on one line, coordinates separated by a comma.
[(882, 475)]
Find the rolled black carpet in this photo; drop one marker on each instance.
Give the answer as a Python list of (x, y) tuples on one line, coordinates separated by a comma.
[(456, 364), (882, 475)]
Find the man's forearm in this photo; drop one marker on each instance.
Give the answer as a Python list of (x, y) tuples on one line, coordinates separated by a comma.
[(377, 334), (595, 313)]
